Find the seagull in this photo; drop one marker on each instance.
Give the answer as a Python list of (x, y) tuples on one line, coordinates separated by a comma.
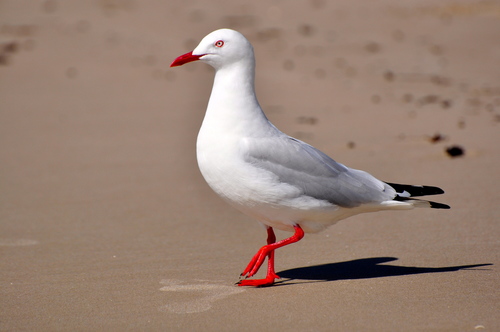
[(276, 179)]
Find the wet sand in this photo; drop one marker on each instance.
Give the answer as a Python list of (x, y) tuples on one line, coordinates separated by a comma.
[(106, 223)]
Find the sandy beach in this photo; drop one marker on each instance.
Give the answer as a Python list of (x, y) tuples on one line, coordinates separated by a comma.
[(106, 223)]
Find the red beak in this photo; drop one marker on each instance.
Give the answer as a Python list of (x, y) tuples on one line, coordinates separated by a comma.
[(185, 58)]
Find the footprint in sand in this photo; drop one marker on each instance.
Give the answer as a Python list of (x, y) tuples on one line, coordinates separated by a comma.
[(208, 293)]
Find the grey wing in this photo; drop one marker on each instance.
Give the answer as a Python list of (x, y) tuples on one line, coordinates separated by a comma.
[(314, 173)]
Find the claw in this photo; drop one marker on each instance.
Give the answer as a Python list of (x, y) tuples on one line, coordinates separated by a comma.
[(267, 251), (268, 281), (256, 262)]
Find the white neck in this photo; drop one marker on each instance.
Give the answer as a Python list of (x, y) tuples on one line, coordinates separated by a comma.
[(233, 107)]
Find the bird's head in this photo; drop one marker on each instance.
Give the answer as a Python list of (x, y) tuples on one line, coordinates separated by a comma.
[(220, 48)]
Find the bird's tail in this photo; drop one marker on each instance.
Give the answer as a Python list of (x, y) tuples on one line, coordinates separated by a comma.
[(406, 192)]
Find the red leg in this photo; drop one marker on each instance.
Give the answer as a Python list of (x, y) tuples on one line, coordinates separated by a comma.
[(260, 256), (271, 238)]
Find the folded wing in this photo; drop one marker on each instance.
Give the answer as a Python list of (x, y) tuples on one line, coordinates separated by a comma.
[(314, 173)]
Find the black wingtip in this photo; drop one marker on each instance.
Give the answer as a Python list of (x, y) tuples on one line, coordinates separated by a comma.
[(432, 205), (436, 205), (415, 191)]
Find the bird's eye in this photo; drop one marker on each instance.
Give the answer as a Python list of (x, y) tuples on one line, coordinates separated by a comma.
[(219, 43)]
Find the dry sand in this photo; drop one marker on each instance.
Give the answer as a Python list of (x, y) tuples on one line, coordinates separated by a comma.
[(107, 225)]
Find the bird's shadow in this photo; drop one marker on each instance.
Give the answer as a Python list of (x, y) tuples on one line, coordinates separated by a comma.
[(364, 268)]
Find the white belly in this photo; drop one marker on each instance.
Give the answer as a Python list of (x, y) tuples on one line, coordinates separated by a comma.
[(258, 193)]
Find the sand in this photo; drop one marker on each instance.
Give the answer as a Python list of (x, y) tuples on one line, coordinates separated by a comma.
[(107, 225)]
